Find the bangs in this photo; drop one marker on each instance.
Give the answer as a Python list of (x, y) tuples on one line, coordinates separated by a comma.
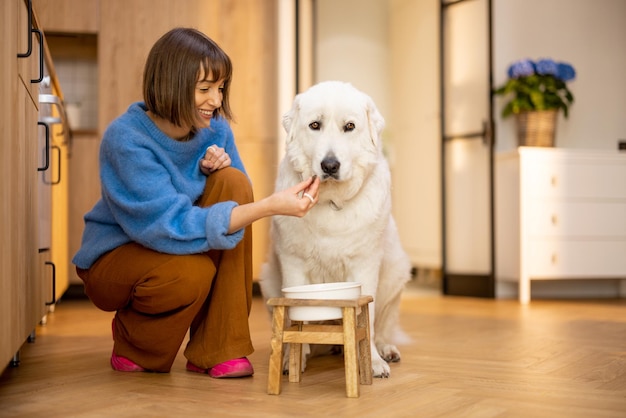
[(217, 67)]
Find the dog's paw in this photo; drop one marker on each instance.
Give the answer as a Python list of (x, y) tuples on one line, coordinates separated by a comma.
[(389, 353), (380, 368), (306, 351), (286, 349)]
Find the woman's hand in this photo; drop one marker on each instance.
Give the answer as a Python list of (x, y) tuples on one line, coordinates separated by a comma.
[(214, 159), (294, 201)]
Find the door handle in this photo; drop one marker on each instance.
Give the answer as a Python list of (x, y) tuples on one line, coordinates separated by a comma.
[(54, 283), (30, 34), (46, 164), (485, 134), (53, 182)]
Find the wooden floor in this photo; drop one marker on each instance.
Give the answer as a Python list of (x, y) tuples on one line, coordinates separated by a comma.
[(467, 358)]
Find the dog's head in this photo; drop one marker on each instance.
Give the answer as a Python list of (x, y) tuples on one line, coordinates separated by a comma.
[(334, 131)]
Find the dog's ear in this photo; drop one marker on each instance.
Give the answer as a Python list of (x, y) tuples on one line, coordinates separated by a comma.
[(376, 122), (289, 119)]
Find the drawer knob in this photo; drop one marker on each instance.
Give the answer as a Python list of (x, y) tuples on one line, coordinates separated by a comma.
[(554, 219), (554, 258), (553, 181)]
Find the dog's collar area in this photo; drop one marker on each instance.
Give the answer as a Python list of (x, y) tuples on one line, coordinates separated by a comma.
[(334, 206)]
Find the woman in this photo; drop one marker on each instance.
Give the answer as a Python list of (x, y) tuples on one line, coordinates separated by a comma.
[(168, 245)]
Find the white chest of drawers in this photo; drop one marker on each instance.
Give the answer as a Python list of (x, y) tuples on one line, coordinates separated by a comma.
[(560, 214)]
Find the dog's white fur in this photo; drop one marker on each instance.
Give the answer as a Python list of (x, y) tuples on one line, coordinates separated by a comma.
[(350, 234)]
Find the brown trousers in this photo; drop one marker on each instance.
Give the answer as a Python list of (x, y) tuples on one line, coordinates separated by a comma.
[(159, 297)]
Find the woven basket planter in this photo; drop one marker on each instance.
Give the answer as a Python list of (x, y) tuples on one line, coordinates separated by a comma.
[(536, 129)]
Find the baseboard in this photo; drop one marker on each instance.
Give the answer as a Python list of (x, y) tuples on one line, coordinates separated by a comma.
[(564, 289), (75, 291)]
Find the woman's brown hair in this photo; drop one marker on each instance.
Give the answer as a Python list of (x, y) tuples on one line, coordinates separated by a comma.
[(172, 70)]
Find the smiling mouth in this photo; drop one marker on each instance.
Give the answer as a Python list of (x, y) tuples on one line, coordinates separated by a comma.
[(206, 112)]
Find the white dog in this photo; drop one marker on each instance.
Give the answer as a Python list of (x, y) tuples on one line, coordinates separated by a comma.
[(334, 132)]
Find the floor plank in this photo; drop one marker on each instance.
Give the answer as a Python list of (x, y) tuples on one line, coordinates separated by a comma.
[(464, 357)]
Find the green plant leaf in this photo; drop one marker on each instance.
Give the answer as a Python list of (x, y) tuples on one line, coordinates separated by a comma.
[(535, 92)]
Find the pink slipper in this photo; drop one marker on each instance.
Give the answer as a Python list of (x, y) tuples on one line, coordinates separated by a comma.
[(193, 368), (122, 364), (239, 367)]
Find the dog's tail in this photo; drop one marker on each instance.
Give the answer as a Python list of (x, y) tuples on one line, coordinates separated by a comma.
[(270, 279)]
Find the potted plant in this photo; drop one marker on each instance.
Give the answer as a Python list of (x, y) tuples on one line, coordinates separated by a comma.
[(539, 91)]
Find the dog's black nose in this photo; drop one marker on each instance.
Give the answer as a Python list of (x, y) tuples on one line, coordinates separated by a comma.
[(330, 165)]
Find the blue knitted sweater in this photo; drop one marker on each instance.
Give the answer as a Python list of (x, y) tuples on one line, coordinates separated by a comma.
[(149, 184)]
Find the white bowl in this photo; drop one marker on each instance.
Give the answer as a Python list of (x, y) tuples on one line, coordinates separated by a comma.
[(324, 291)]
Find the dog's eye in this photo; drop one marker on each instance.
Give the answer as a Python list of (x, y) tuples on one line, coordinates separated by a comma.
[(315, 125), (349, 127)]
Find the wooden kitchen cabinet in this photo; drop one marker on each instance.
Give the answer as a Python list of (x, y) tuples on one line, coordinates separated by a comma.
[(560, 214), (27, 272), (70, 16), (24, 278), (56, 177), (9, 292)]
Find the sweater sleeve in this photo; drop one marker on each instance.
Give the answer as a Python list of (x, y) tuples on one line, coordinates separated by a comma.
[(153, 204)]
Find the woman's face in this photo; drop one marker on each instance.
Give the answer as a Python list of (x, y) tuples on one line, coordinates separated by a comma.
[(208, 98)]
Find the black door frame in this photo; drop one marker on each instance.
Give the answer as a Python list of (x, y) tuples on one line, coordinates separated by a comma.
[(459, 284)]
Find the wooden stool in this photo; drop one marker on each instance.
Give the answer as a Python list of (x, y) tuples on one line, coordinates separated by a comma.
[(353, 334)]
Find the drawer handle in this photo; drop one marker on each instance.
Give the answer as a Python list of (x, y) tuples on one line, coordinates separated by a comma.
[(54, 283), (52, 182), (553, 259), (46, 164), (554, 219), (41, 58), (30, 34)]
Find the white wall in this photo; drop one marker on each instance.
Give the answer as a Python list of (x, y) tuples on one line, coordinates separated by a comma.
[(351, 45), (590, 35), (388, 49), (414, 127)]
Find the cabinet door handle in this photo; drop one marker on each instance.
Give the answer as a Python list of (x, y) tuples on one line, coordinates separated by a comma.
[(58, 180), (30, 34), (46, 164), (41, 45), (29, 49), (54, 283)]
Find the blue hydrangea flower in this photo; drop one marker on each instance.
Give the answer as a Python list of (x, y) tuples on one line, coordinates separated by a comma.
[(547, 66), (521, 68), (565, 71), (537, 86)]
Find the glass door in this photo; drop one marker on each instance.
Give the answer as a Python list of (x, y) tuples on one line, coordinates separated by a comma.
[(467, 148)]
